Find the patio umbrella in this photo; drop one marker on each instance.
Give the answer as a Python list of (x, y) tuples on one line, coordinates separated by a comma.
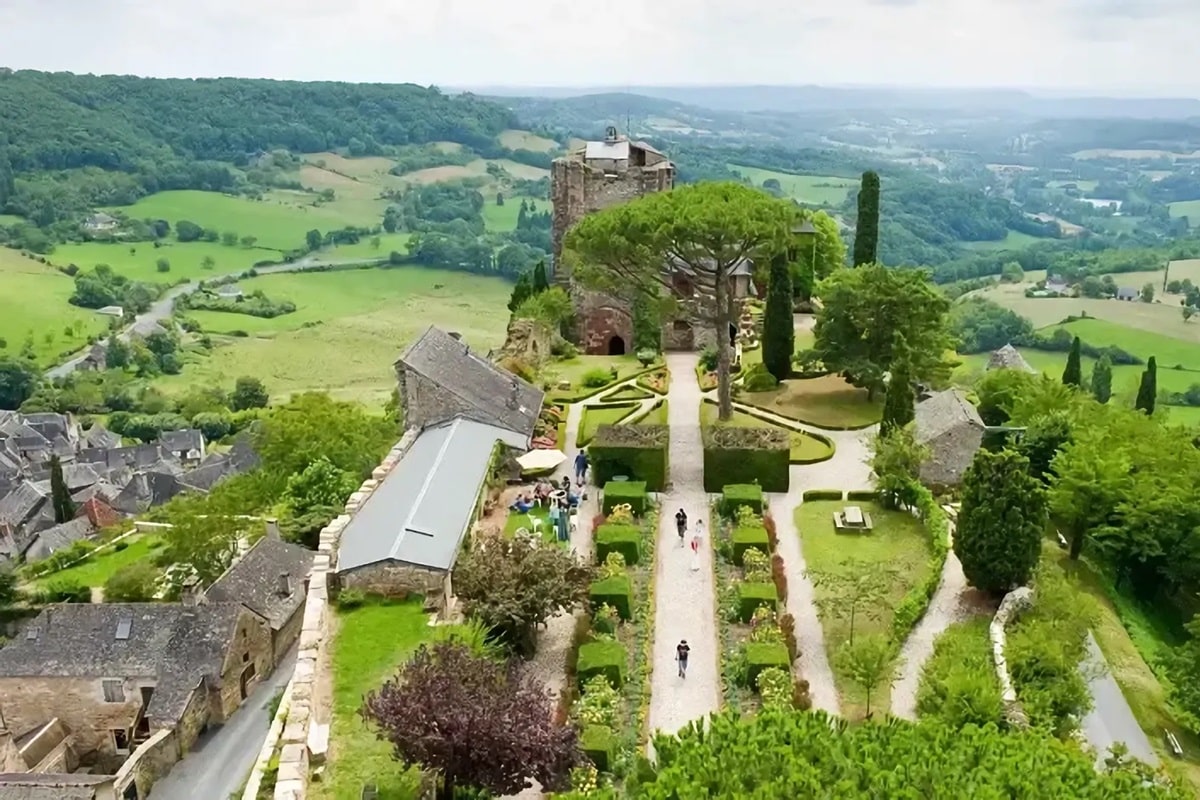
[(538, 460)]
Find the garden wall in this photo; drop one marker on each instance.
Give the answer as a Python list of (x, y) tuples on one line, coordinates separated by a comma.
[(638, 452), (746, 455)]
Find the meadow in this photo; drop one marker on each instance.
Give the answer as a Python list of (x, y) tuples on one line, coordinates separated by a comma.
[(138, 261), (1189, 209), (504, 218), (348, 329), (1014, 240), (33, 306), (818, 190), (525, 140)]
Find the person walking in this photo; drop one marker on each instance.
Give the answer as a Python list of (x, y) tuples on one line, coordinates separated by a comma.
[(696, 553), (581, 467), (681, 524), (681, 656)]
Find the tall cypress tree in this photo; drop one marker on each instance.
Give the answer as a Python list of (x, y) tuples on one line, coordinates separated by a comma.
[(1102, 379), (779, 333), (60, 498), (1073, 374), (521, 292), (899, 406), (541, 281), (1148, 388), (866, 230)]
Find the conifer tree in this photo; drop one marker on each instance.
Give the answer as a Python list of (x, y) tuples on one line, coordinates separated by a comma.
[(998, 537), (522, 291), (1148, 389), (1073, 374), (60, 497), (1102, 379), (899, 406), (779, 333), (541, 280), (866, 231)]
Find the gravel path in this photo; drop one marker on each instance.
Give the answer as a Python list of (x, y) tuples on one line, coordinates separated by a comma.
[(684, 599)]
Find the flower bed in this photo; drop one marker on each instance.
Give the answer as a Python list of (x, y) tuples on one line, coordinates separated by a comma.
[(656, 380), (547, 431)]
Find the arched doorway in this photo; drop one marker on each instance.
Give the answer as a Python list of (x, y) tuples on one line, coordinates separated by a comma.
[(616, 346)]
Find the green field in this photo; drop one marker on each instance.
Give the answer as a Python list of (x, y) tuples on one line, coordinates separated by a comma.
[(818, 190), (10, 219), (1169, 351), (1083, 186), (504, 218), (525, 140), (138, 261), (388, 243), (33, 303), (95, 571), (1189, 209), (1015, 240), (358, 323)]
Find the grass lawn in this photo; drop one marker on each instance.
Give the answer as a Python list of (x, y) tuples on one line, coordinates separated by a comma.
[(1014, 240), (388, 243), (827, 402), (348, 328), (898, 541), (656, 415), (33, 304), (1125, 377), (632, 392), (525, 140), (139, 261), (100, 567), (573, 369), (804, 447), (370, 643), (1187, 208), (504, 218), (820, 190), (595, 416), (1169, 350)]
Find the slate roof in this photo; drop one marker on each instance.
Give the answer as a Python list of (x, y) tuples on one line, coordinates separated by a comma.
[(136, 456), (182, 441), (242, 455), (21, 503), (149, 488), (479, 383), (1008, 357), (207, 475), (422, 509), (1127, 293), (101, 437), (53, 539), (952, 429), (177, 646), (254, 581)]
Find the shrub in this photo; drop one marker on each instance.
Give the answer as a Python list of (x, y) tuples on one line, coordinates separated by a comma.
[(823, 494), (599, 744), (752, 596), (863, 494), (603, 658), (625, 540), (764, 627), (606, 619), (745, 537), (755, 565), (133, 583), (775, 688), (772, 534), (598, 705), (746, 455), (779, 577), (636, 451), (761, 656), (758, 379), (350, 598), (596, 378), (631, 492), (65, 591), (787, 627), (646, 357), (616, 592), (736, 495)]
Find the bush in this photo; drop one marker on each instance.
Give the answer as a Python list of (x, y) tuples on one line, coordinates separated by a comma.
[(756, 566), (775, 688), (736, 495), (752, 596), (787, 626), (912, 607), (746, 455), (597, 378), (65, 591), (868, 495), (602, 658), (758, 379), (761, 656), (620, 492), (745, 537), (134, 583), (350, 598), (616, 591), (599, 744), (823, 494), (636, 451), (623, 539), (779, 577)]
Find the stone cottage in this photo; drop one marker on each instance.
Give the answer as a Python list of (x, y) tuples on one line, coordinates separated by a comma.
[(952, 429), (1008, 357)]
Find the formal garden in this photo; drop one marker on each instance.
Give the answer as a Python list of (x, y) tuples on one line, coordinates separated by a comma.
[(804, 447)]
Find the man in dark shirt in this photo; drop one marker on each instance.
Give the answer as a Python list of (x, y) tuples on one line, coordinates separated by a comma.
[(681, 656), (581, 467), (681, 523)]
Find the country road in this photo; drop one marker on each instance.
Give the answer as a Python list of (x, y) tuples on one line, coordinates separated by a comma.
[(1111, 720), (165, 305)]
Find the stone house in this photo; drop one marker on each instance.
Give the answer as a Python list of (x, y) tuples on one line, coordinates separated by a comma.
[(949, 425), (441, 379), (96, 359), (406, 537), (100, 223), (271, 579), (114, 673), (1128, 293), (186, 445), (59, 786), (1008, 357)]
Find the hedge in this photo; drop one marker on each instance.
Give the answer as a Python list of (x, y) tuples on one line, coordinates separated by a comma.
[(617, 591), (607, 658), (914, 604), (746, 455), (748, 536), (623, 539), (752, 596), (823, 494), (763, 656), (599, 744), (636, 451), (621, 492), (863, 494), (736, 495)]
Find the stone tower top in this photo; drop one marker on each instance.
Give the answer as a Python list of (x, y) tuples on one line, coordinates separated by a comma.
[(610, 134)]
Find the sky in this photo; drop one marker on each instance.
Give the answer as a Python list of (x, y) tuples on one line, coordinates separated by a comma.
[(1128, 47)]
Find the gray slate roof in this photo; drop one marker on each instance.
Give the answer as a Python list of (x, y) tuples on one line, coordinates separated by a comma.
[(182, 441), (102, 437), (485, 387), (1008, 357), (952, 429), (254, 581), (422, 509), (177, 646), (1127, 293), (21, 503), (53, 539)]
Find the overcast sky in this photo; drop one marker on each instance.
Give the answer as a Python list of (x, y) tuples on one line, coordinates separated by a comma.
[(1110, 46)]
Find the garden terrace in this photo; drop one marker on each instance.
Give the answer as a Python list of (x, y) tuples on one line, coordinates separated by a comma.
[(804, 448), (579, 377), (828, 402), (595, 416), (635, 451), (745, 455), (860, 580)]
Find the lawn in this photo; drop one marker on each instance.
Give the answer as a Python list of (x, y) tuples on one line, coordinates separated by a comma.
[(657, 415), (97, 569), (1187, 208), (139, 261), (595, 416), (33, 305), (1014, 240), (388, 243), (504, 218), (827, 402), (632, 392), (804, 447), (898, 541), (370, 643), (474, 169), (525, 140), (1168, 350), (349, 328), (573, 370), (820, 190)]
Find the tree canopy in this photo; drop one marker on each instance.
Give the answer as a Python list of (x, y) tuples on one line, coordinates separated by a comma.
[(998, 537)]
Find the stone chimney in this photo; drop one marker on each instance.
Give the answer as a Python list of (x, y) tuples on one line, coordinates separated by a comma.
[(192, 594), (610, 134), (514, 395), (273, 527), (285, 585)]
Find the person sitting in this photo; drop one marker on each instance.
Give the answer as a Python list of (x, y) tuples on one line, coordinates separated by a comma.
[(541, 492), (521, 505)]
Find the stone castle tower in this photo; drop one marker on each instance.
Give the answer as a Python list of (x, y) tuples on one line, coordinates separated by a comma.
[(596, 176)]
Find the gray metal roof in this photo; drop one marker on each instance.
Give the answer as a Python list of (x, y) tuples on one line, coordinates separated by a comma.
[(422, 509), (617, 151)]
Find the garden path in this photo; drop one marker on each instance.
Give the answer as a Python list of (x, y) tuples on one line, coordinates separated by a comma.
[(685, 605)]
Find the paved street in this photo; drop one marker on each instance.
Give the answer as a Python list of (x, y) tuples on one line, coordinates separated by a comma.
[(222, 758), (1111, 720)]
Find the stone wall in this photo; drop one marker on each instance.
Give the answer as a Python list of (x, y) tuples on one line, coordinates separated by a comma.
[(149, 762), (251, 645), (1011, 606), (282, 639), (194, 719), (397, 581), (529, 341), (600, 317), (78, 703)]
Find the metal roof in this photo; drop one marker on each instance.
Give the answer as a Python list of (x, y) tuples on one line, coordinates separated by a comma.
[(618, 151), (422, 509)]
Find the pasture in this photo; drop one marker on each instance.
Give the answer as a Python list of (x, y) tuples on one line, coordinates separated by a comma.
[(817, 190), (33, 306), (1014, 240), (138, 260), (525, 140), (474, 169), (504, 218), (1189, 209), (347, 331)]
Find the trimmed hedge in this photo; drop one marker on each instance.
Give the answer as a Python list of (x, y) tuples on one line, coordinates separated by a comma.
[(736, 495), (752, 596), (620, 492), (599, 744), (617, 591), (607, 658), (748, 536), (636, 451), (746, 455), (823, 494), (862, 494), (914, 604), (623, 539), (763, 656)]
